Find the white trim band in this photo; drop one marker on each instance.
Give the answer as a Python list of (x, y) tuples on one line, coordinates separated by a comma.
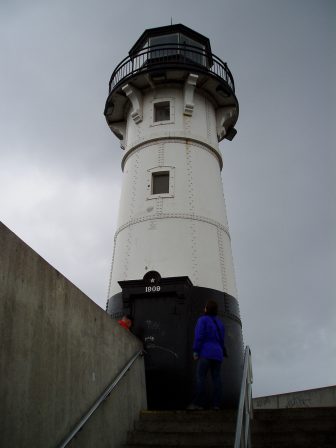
[(156, 140), (131, 222)]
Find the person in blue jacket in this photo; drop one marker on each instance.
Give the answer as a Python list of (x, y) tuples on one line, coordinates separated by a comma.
[(208, 350)]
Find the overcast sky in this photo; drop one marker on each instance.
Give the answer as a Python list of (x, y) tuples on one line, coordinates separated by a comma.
[(60, 173)]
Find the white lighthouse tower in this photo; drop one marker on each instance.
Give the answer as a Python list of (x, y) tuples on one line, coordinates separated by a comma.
[(170, 103)]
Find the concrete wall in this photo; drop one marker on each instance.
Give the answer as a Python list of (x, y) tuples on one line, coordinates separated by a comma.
[(313, 398), (58, 352)]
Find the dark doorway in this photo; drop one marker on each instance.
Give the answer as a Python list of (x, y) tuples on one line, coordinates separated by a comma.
[(161, 323)]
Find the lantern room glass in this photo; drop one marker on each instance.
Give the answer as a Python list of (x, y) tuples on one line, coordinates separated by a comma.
[(176, 45)]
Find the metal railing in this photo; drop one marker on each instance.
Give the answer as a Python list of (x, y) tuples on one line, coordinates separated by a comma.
[(99, 401), (245, 409), (170, 56)]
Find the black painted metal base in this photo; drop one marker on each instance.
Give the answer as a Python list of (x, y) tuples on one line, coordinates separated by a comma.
[(164, 313)]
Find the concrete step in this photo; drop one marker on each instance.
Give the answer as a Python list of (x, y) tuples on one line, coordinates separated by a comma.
[(179, 446), (187, 421), (188, 415), (199, 439), (188, 427), (183, 428), (285, 428)]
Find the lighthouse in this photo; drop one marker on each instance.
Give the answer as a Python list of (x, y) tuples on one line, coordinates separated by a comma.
[(170, 102)]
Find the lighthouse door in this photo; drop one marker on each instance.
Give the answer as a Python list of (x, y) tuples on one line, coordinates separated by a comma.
[(161, 323)]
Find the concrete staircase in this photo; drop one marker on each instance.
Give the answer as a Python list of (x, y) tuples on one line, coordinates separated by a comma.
[(285, 428), (183, 428)]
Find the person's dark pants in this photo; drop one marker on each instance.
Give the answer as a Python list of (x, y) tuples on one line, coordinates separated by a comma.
[(203, 367)]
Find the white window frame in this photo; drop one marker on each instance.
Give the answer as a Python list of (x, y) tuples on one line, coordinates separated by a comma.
[(161, 169), (171, 110)]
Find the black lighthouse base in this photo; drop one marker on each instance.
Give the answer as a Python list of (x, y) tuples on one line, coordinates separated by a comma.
[(164, 313)]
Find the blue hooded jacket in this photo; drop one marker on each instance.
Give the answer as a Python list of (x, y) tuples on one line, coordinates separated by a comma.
[(209, 338)]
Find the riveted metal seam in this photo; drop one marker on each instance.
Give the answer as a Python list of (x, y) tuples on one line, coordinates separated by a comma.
[(161, 154), (192, 227), (222, 258), (132, 205)]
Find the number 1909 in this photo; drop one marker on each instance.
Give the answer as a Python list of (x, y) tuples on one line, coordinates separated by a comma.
[(152, 288)]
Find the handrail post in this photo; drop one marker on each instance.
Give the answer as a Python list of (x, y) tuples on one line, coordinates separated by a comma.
[(245, 408)]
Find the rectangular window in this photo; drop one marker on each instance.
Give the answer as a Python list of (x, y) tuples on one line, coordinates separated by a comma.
[(160, 182), (162, 111)]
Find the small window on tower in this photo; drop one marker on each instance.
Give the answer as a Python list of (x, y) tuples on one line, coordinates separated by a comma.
[(162, 111), (160, 182)]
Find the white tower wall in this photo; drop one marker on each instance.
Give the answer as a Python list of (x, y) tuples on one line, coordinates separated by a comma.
[(185, 231)]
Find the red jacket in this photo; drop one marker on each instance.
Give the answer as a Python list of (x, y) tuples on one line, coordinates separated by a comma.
[(123, 324)]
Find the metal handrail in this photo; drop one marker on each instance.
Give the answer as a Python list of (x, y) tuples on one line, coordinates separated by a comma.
[(99, 401), (245, 409), (164, 56)]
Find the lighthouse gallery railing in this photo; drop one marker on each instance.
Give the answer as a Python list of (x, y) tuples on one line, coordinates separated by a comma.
[(156, 57)]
